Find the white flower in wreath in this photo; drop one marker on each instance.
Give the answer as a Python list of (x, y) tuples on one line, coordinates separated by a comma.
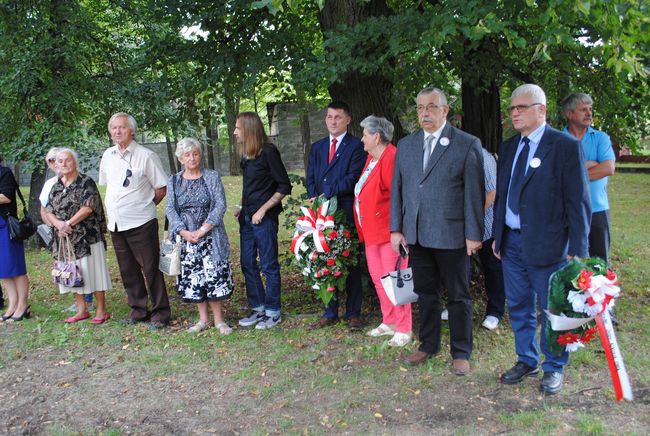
[(574, 346), (578, 301)]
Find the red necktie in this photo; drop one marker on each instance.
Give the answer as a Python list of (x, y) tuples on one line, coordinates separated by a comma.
[(332, 151)]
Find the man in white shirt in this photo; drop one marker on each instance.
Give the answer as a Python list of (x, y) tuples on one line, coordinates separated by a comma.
[(135, 183)]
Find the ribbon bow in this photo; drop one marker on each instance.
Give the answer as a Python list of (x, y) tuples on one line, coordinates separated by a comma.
[(313, 223)]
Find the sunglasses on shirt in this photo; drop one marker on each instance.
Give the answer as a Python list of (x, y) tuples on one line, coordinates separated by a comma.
[(126, 179)]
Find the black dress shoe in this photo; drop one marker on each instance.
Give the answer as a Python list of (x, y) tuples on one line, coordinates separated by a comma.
[(552, 383), (26, 314), (517, 373)]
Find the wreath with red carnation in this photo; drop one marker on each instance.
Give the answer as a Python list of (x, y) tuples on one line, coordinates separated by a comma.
[(324, 247)]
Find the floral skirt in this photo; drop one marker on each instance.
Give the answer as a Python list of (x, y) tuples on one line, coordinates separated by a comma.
[(200, 278)]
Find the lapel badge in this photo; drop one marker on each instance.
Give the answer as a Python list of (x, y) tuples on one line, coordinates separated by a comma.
[(444, 141), (535, 162)]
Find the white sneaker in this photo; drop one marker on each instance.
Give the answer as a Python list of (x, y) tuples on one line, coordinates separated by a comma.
[(400, 339), (490, 322), (444, 315)]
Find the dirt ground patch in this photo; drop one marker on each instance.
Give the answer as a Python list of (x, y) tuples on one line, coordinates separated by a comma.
[(335, 386)]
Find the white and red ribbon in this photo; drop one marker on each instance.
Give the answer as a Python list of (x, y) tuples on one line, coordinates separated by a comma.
[(594, 302), (312, 224)]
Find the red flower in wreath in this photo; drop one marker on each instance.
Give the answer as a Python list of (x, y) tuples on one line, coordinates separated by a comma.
[(588, 335), (611, 275), (346, 233), (584, 279), (337, 273), (331, 289), (331, 262), (568, 338), (332, 235), (346, 253), (326, 271)]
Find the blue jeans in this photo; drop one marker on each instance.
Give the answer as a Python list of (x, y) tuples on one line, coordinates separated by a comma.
[(525, 285), (261, 240)]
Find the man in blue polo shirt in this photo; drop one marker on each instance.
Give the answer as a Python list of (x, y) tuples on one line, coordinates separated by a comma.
[(600, 159)]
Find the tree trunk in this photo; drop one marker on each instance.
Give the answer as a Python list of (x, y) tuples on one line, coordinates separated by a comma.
[(210, 134), (232, 110), (482, 113), (305, 128), (34, 204), (480, 95), (170, 155), (366, 94)]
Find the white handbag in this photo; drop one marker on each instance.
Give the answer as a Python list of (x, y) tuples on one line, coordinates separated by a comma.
[(398, 285), (170, 254)]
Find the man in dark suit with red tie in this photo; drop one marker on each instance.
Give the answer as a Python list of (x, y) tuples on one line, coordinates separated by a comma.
[(335, 164), (541, 219)]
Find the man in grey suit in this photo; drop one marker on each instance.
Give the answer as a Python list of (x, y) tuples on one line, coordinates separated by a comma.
[(436, 207)]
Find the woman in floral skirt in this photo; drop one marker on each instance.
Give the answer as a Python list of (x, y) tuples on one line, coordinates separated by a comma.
[(196, 204)]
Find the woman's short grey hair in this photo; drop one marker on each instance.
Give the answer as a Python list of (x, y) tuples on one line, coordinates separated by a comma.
[(52, 152), (129, 119), (530, 89), (442, 98), (71, 152), (379, 125), (186, 145), (570, 103)]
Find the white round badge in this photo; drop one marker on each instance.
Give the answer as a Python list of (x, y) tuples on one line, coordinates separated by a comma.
[(535, 162), (444, 141)]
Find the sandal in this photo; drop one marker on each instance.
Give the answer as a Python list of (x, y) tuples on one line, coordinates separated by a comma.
[(102, 320), (400, 339), (382, 330), (199, 327), (223, 328), (76, 318)]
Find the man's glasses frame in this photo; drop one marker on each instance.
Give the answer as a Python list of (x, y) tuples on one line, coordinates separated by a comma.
[(522, 107), (429, 108)]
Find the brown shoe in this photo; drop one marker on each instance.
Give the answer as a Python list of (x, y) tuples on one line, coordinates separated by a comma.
[(460, 366), (417, 358), (355, 323), (322, 322)]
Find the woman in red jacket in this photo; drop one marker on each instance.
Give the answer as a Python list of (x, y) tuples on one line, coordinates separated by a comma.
[(372, 218)]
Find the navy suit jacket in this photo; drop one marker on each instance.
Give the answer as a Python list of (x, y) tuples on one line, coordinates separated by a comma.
[(338, 177), (554, 207)]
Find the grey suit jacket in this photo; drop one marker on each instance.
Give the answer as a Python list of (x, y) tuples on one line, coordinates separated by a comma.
[(441, 206)]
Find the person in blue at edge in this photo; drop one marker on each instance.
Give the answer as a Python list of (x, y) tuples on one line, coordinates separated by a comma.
[(541, 220), (335, 165)]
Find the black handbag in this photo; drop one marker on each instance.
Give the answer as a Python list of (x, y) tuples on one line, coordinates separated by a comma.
[(23, 229)]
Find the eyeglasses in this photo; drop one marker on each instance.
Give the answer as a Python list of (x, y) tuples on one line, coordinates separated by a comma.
[(522, 107), (429, 108), (52, 159), (126, 179)]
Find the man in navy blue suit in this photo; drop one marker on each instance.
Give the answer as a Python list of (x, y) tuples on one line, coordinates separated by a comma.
[(541, 220), (335, 164)]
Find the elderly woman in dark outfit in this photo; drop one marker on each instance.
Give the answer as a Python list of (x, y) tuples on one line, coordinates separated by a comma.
[(75, 211), (196, 204), (13, 272)]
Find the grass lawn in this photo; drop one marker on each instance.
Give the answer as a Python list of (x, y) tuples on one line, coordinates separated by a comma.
[(112, 379)]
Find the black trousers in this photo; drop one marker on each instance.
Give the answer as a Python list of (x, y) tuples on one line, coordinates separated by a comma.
[(434, 269), (599, 235), (494, 287)]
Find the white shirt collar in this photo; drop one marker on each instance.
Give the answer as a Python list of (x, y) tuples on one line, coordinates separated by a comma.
[(339, 138), (436, 134)]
